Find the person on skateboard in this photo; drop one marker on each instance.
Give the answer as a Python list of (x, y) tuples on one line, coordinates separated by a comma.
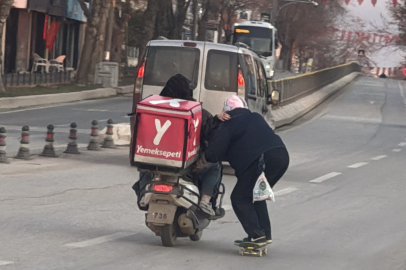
[(251, 147)]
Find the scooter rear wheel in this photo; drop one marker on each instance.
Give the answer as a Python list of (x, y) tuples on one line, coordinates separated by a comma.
[(196, 236), (168, 235)]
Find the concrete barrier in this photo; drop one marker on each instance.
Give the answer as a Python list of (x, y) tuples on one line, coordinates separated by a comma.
[(283, 115)]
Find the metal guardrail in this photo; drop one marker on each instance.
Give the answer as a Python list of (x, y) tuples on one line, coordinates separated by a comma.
[(27, 79), (291, 89)]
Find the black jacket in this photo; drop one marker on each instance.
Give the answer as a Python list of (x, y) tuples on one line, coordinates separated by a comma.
[(209, 124), (241, 140)]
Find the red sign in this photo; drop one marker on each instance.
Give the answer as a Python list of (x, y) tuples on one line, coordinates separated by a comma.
[(167, 132)]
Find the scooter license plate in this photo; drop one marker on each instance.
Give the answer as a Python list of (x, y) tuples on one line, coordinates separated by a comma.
[(161, 213)]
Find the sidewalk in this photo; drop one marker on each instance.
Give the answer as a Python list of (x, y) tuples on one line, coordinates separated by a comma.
[(37, 100)]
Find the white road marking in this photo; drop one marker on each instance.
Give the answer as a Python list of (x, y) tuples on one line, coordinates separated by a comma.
[(284, 191), (401, 89), (5, 263), (353, 119), (100, 240), (402, 144), (379, 157), (325, 177), (96, 110), (396, 150), (357, 165)]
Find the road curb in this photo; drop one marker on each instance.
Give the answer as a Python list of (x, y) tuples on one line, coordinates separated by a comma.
[(38, 100), (289, 113)]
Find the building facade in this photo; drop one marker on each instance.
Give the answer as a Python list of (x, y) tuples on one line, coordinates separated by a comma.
[(46, 28)]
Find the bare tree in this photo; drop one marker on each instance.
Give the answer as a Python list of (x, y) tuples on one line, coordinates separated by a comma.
[(308, 27), (147, 27), (399, 14), (179, 17), (5, 6), (92, 52), (119, 28), (210, 12)]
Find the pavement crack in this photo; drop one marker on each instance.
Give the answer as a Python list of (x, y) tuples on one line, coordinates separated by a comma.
[(63, 192)]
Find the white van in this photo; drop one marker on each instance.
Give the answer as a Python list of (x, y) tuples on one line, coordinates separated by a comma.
[(215, 70)]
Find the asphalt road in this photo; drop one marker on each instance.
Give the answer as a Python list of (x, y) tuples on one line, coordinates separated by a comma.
[(61, 116), (340, 205)]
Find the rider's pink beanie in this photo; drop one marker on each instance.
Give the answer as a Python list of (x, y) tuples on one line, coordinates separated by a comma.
[(232, 103)]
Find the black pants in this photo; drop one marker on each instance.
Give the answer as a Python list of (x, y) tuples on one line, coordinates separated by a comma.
[(254, 216)]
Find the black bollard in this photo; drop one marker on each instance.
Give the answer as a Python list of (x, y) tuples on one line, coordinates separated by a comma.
[(72, 145), (93, 144), (108, 139), (49, 150), (3, 156), (24, 151)]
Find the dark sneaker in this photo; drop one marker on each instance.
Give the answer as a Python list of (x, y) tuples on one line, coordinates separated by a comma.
[(207, 208), (238, 242), (260, 241), (268, 238)]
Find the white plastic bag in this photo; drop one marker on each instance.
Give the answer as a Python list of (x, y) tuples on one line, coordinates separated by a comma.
[(262, 190)]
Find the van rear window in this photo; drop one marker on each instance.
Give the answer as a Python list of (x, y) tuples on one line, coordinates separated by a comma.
[(221, 71), (165, 62)]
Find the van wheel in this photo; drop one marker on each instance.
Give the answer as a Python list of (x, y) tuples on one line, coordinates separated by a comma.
[(168, 235), (196, 236)]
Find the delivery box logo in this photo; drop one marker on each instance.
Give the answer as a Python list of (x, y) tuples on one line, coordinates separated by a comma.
[(160, 130)]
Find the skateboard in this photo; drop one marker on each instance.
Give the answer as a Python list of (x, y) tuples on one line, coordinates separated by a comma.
[(252, 249)]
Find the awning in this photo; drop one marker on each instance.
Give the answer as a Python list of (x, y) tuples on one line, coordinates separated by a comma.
[(38, 5), (74, 11), (53, 7), (57, 8)]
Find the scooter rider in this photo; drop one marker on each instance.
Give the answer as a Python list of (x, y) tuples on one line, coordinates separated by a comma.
[(246, 141), (178, 86)]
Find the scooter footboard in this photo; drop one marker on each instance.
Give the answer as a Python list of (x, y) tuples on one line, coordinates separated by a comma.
[(161, 213)]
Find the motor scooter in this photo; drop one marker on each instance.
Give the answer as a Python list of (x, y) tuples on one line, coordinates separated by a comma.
[(172, 203)]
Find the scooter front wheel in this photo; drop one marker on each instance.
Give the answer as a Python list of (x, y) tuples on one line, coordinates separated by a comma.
[(168, 235)]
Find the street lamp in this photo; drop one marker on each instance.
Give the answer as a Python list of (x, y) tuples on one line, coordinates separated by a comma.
[(276, 10)]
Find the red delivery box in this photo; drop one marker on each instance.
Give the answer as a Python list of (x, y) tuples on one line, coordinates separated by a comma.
[(167, 132)]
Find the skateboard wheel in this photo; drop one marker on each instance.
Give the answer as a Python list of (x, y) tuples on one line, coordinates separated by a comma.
[(265, 251), (241, 252), (260, 253)]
